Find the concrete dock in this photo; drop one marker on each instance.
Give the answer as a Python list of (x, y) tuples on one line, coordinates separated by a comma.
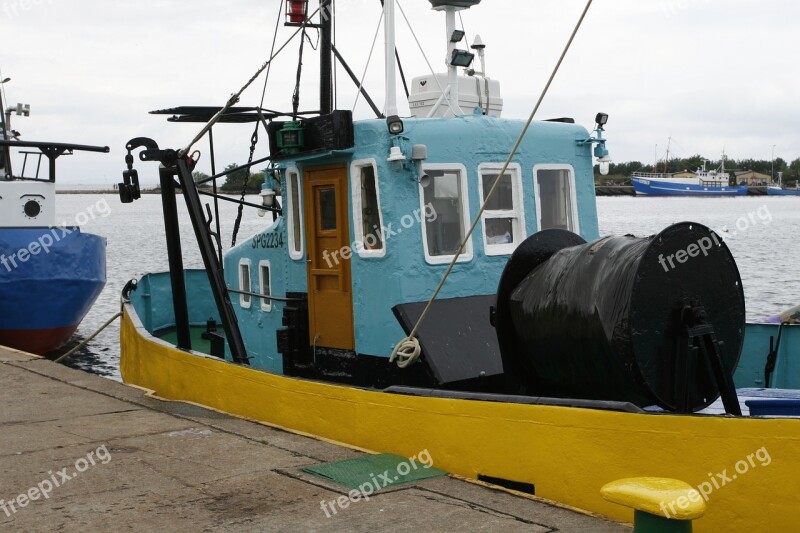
[(80, 452)]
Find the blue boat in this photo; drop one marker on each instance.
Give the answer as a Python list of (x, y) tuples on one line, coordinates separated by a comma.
[(49, 275), (647, 184), (704, 183), (779, 191)]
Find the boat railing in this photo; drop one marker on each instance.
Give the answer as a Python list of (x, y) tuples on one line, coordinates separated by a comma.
[(715, 183), (651, 175), (50, 150)]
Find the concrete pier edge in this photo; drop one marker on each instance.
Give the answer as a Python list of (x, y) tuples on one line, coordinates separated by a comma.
[(137, 463)]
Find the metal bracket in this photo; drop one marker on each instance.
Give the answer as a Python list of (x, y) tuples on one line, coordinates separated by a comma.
[(172, 165), (700, 341)]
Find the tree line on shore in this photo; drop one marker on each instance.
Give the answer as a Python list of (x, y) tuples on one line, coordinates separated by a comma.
[(234, 181), (619, 173)]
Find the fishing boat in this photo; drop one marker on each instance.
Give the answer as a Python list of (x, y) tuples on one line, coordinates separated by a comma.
[(780, 191), (50, 275), (703, 183), (529, 352)]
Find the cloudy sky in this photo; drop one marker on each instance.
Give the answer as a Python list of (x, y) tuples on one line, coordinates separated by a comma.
[(711, 74)]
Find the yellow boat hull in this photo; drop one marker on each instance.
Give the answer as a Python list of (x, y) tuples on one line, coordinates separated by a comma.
[(567, 453)]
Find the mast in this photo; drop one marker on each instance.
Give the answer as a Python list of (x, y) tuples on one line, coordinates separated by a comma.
[(5, 152), (326, 57), (452, 71), (391, 78)]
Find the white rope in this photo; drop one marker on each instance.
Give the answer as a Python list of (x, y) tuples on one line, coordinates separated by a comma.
[(369, 58), (407, 350)]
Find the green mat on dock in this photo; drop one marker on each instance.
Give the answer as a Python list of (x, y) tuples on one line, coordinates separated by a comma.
[(378, 471)]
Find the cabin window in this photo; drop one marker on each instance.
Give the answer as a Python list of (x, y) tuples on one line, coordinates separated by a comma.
[(244, 283), (265, 282), (295, 203), (445, 213), (327, 209), (367, 216), (503, 219), (556, 202)]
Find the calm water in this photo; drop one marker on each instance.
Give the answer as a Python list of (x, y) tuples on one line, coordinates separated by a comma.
[(136, 246), (760, 231)]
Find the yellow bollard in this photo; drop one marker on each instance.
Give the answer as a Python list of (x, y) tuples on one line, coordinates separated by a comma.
[(661, 505)]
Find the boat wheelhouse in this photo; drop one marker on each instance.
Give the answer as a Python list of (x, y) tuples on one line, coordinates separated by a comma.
[(361, 234)]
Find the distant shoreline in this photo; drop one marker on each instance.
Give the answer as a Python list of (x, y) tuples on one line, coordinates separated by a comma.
[(88, 191), (144, 191), (98, 191)]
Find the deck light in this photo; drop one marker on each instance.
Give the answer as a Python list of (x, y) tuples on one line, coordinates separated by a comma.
[(395, 125), (457, 36), (600, 150), (396, 158), (267, 200), (604, 165), (461, 58), (601, 153)]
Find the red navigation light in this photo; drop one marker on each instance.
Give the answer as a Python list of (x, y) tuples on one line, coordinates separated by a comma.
[(296, 11)]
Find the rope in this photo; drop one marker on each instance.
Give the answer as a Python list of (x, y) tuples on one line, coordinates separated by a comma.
[(238, 222), (253, 141), (408, 350), (369, 58), (296, 93), (84, 343), (235, 97), (335, 61), (271, 52)]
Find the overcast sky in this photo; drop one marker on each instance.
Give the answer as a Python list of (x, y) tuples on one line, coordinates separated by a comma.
[(712, 74)]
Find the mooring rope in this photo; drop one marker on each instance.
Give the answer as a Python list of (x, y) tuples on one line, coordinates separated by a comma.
[(408, 350), (85, 342)]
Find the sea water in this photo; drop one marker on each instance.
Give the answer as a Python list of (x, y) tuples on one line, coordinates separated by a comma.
[(762, 233)]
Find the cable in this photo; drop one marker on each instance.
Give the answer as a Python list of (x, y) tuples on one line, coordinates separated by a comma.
[(408, 350), (271, 51), (235, 96), (435, 78), (335, 61), (369, 58), (464, 29)]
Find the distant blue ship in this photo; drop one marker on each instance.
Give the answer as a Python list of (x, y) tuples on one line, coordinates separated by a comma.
[(705, 183)]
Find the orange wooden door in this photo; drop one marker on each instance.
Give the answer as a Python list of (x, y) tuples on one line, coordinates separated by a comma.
[(330, 297)]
